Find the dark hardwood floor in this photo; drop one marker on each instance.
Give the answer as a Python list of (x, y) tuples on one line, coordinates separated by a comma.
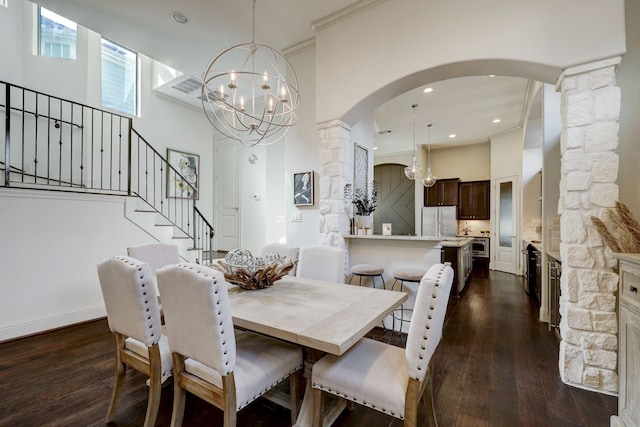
[(496, 366)]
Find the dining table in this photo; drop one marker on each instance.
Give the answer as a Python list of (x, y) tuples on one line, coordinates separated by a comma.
[(322, 317)]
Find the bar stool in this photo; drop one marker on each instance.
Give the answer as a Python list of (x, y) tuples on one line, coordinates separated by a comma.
[(367, 270), (402, 275)]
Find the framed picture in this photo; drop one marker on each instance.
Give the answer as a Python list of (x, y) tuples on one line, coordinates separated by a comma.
[(303, 188), (188, 166), (360, 168)]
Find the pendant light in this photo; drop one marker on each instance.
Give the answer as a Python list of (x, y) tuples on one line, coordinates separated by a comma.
[(429, 180), (414, 171)]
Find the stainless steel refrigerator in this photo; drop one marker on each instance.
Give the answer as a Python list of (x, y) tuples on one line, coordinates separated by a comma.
[(439, 221)]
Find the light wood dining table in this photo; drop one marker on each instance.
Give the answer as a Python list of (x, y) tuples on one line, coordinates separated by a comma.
[(322, 317)]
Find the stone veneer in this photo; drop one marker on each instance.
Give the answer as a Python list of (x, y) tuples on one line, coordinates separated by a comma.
[(336, 170), (589, 169)]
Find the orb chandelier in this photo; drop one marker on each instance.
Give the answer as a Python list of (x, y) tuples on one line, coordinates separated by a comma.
[(245, 94), (414, 171), (430, 179)]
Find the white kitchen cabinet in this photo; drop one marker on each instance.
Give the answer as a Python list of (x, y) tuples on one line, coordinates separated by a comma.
[(629, 342)]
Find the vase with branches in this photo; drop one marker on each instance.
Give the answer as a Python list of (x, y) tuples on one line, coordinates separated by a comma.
[(364, 202)]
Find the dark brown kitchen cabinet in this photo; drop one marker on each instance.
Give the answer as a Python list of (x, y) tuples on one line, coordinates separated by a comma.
[(473, 199), (443, 193)]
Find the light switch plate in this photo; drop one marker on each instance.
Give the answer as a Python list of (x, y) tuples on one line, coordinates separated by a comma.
[(296, 216)]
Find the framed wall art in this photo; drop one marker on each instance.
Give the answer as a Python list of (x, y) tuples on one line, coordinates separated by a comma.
[(303, 188), (181, 185), (360, 169)]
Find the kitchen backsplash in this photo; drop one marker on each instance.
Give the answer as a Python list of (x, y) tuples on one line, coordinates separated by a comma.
[(532, 230), (474, 228)]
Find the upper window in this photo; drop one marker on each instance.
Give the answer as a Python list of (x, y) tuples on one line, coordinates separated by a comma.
[(119, 78), (57, 35)]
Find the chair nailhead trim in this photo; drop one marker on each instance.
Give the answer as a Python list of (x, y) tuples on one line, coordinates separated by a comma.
[(356, 400)]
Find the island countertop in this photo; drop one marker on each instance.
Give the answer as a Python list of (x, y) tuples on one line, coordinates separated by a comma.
[(445, 240)]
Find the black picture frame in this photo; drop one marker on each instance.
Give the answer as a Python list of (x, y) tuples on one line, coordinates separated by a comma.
[(303, 188)]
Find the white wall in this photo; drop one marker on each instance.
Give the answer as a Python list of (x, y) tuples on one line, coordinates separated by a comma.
[(467, 162), (398, 45), (627, 78), (302, 154), (52, 242), (506, 154), (51, 245)]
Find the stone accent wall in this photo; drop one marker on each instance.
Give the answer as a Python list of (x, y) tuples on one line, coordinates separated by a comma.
[(336, 170), (589, 169)]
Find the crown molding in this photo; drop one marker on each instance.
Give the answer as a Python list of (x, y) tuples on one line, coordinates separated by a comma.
[(347, 12)]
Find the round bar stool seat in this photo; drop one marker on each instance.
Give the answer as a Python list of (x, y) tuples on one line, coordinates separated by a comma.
[(402, 275), (367, 270)]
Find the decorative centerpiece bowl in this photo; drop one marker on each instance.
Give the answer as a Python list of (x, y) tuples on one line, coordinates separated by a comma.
[(241, 268)]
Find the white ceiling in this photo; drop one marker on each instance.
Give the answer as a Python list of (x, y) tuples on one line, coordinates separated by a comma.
[(464, 106)]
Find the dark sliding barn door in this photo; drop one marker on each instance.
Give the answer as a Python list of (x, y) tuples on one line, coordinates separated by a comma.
[(396, 200)]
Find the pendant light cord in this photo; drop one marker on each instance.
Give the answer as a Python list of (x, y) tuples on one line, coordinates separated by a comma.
[(414, 132)]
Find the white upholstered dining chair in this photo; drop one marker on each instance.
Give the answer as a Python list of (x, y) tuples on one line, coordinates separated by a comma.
[(387, 378), (157, 255), (210, 361), (321, 262), (129, 293), (290, 253)]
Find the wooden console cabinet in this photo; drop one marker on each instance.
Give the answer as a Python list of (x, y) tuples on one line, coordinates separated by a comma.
[(629, 342)]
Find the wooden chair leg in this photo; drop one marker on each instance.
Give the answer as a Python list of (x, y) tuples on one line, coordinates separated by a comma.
[(318, 410), (179, 394), (155, 386), (118, 380), (427, 397), (411, 400), (230, 408), (294, 393)]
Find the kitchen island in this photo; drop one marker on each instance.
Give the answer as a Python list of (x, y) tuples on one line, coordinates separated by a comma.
[(396, 251)]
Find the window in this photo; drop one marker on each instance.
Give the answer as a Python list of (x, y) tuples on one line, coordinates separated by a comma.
[(57, 35), (119, 78)]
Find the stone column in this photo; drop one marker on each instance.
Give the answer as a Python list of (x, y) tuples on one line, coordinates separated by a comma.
[(336, 168), (589, 169)]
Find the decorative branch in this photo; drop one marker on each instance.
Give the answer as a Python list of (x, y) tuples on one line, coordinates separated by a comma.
[(619, 230)]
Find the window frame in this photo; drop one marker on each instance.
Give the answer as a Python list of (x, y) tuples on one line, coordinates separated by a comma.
[(136, 98), (40, 52)]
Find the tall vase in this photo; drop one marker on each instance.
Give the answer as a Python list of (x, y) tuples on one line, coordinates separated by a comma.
[(364, 222)]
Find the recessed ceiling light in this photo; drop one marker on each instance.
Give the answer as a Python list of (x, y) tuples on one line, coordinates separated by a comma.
[(496, 120), (375, 148), (179, 17), (492, 75), (427, 90), (453, 135)]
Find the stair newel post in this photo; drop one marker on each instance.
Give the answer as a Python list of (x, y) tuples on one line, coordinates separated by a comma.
[(129, 160), (7, 137)]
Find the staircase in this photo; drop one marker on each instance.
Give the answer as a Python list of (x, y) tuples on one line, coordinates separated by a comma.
[(53, 144)]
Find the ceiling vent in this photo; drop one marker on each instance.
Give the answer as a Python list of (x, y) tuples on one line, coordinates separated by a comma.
[(188, 85)]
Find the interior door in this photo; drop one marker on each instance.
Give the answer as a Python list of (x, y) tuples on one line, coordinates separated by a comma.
[(227, 206), (506, 230)]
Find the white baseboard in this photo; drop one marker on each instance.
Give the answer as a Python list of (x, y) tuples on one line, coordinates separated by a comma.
[(42, 324)]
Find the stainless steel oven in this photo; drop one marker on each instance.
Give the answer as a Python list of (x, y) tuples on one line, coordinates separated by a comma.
[(480, 247)]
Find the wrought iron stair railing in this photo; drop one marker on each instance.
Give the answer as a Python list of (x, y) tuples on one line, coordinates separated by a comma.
[(60, 145)]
